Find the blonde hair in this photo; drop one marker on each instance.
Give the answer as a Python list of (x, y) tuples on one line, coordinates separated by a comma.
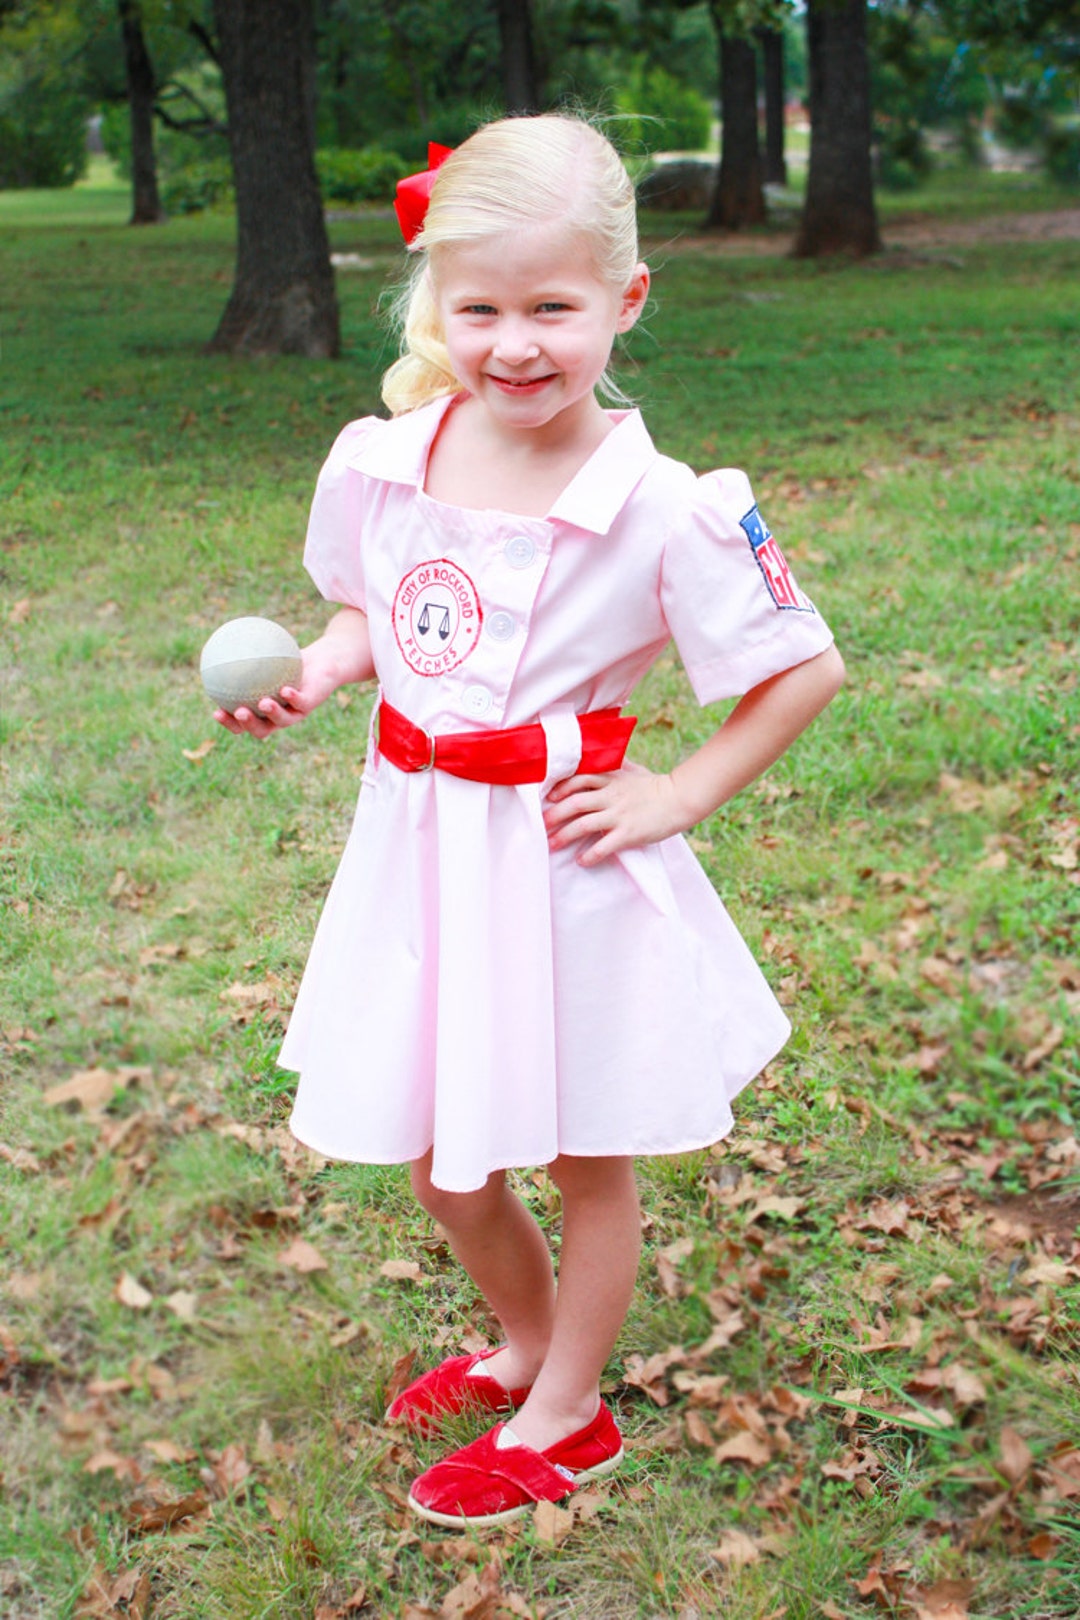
[(515, 172)]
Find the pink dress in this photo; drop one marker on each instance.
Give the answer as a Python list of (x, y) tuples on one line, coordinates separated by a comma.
[(467, 988)]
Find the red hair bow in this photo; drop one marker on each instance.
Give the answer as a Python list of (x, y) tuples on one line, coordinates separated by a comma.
[(414, 193)]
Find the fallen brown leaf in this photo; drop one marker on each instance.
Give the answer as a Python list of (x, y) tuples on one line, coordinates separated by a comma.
[(735, 1549), (1016, 1456), (944, 1600), (106, 1461), (702, 1389), (474, 1598), (698, 1432), (19, 1159), (744, 1448), (302, 1256), (552, 1523), (130, 1292), (401, 1376), (650, 1374), (230, 1470), (127, 1593), (667, 1264), (146, 1517), (773, 1204), (885, 1585), (93, 1089), (167, 1451), (402, 1270), (352, 1605), (102, 1217)]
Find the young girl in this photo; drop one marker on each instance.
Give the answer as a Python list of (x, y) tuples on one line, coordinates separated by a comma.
[(520, 962)]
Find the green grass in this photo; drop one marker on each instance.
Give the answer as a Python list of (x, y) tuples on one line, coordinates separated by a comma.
[(907, 876)]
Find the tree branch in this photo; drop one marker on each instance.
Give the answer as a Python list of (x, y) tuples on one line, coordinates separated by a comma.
[(205, 39)]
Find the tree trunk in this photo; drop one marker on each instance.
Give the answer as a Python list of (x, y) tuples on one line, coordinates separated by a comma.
[(283, 299), (146, 206), (521, 90), (739, 198), (772, 57), (839, 214)]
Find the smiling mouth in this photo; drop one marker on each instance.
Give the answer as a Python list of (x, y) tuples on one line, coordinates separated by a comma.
[(520, 385)]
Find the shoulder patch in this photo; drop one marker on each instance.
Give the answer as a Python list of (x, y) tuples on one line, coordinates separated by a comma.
[(779, 580)]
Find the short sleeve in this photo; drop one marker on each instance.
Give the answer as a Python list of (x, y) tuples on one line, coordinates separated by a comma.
[(730, 600), (332, 550)]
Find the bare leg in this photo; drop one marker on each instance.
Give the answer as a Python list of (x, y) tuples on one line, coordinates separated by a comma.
[(506, 1255), (597, 1269)]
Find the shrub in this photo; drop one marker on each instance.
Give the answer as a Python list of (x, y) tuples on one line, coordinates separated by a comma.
[(658, 112), (197, 186), (902, 155), (1061, 144), (42, 137), (365, 175), (450, 124)]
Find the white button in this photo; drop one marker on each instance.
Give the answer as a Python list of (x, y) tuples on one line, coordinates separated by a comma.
[(520, 551), (476, 699), (501, 626)]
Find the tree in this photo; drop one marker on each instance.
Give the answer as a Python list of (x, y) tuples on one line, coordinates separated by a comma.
[(739, 198), (283, 299), (772, 62), (142, 90), (521, 88), (838, 215)]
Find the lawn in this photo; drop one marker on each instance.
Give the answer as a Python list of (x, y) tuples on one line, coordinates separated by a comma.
[(849, 1381)]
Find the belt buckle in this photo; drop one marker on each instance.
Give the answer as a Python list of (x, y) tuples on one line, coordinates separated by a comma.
[(429, 764)]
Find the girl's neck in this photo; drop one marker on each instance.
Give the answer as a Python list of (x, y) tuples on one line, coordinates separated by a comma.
[(479, 463)]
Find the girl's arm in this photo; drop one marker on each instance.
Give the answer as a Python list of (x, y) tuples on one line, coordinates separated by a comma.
[(634, 806), (342, 654)]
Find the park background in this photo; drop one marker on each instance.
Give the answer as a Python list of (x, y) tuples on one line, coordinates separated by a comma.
[(849, 1383)]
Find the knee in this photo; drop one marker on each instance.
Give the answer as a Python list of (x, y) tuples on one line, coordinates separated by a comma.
[(605, 1179), (451, 1209)]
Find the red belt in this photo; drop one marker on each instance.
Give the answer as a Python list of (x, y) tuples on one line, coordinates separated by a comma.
[(510, 757)]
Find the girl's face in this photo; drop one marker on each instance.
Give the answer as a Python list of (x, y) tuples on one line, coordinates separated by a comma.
[(529, 325)]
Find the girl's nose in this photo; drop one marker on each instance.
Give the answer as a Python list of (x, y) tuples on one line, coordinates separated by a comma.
[(514, 342)]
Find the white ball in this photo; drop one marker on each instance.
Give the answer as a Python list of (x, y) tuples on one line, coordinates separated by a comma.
[(248, 659)]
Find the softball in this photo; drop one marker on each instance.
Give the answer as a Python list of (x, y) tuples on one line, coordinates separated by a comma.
[(248, 659)]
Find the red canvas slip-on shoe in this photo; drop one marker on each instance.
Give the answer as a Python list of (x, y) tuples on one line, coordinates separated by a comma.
[(484, 1484), (449, 1388)]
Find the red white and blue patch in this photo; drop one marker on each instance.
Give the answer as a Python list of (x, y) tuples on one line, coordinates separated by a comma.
[(779, 580)]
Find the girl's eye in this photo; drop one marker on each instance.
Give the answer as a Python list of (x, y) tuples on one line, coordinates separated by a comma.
[(553, 307), (479, 309)]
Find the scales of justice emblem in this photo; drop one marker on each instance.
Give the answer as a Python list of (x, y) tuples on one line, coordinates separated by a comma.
[(437, 616)]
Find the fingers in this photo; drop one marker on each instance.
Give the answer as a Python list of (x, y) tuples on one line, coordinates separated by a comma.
[(590, 808), (271, 715), (572, 800), (607, 814), (575, 784)]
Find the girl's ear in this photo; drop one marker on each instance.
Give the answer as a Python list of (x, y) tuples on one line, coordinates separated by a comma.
[(633, 299)]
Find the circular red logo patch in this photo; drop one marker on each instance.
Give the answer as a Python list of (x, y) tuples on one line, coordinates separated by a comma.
[(437, 617)]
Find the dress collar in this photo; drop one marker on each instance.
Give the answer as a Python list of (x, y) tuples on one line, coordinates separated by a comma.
[(593, 498)]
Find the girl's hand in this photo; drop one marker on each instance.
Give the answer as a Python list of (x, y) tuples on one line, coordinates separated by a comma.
[(621, 810), (291, 704), (632, 807), (341, 655)]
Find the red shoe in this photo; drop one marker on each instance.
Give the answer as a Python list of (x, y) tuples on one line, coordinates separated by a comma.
[(449, 1388), (482, 1485)]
